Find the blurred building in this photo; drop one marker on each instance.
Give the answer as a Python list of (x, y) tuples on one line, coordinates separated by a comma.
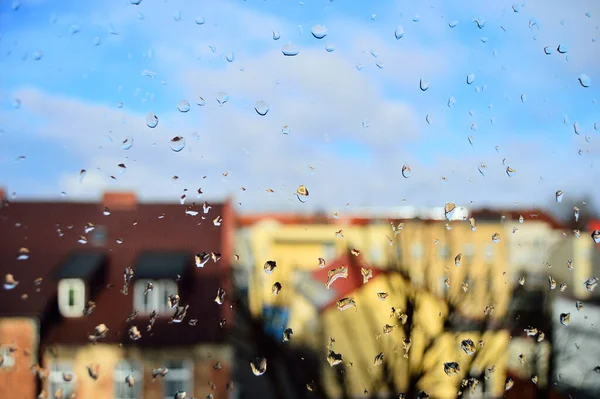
[(73, 321), (449, 279)]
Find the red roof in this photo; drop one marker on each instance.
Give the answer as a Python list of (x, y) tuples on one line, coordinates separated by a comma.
[(344, 287), (51, 230), (507, 215)]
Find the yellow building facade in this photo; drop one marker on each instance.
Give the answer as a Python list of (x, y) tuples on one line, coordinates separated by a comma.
[(436, 266)]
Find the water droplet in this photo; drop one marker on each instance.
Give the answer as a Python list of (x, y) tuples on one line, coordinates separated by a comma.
[(200, 20), (334, 358), (416, 18), (334, 274), (596, 236), (584, 80), (484, 39), (451, 102), (289, 50), (468, 346), (399, 32), (451, 368), (373, 17), (406, 171), (37, 55), (222, 97), (302, 192), (565, 318), (559, 196), (230, 57), (496, 238), (453, 24), (510, 171), (429, 118), (423, 84), (562, 48), (319, 31), (359, 66), (515, 7), (276, 34), (449, 209), (177, 143), (480, 22), (482, 169), (276, 288), (73, 29), (458, 259), (329, 47), (127, 143), (261, 108), (177, 16), (151, 120), (183, 106), (136, 2), (10, 282), (379, 64), (200, 101), (23, 254), (287, 334), (346, 303), (470, 78), (261, 368), (213, 48), (220, 298), (285, 129), (523, 98), (269, 266), (548, 50)]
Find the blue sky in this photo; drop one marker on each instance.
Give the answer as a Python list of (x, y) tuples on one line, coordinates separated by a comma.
[(352, 124)]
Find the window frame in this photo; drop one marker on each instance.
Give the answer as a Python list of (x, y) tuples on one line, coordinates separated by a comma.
[(65, 287), (56, 380), (122, 369), (161, 287), (179, 374)]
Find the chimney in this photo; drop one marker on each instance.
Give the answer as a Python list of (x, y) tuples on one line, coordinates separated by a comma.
[(120, 201)]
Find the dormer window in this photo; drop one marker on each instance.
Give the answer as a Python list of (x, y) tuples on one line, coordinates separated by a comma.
[(153, 295), (71, 297), (80, 277), (156, 275)]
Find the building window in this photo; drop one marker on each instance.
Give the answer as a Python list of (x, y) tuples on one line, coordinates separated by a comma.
[(56, 379), (71, 297), (329, 251), (155, 299), (123, 387), (417, 250), (99, 236), (489, 253), (7, 359), (469, 250), (444, 251), (179, 378)]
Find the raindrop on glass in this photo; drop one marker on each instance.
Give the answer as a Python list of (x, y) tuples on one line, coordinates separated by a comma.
[(183, 106), (222, 97), (406, 172), (151, 120), (423, 84), (230, 57), (261, 108), (37, 55), (453, 24), (177, 143), (319, 31), (127, 143), (329, 47), (285, 129), (177, 15), (276, 34), (200, 101), (199, 20), (596, 236), (510, 171), (565, 318), (584, 80), (399, 32), (429, 118), (562, 48), (470, 78), (451, 102), (290, 50), (548, 50)]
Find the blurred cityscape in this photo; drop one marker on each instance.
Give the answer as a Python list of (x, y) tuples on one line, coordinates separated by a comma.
[(124, 299)]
